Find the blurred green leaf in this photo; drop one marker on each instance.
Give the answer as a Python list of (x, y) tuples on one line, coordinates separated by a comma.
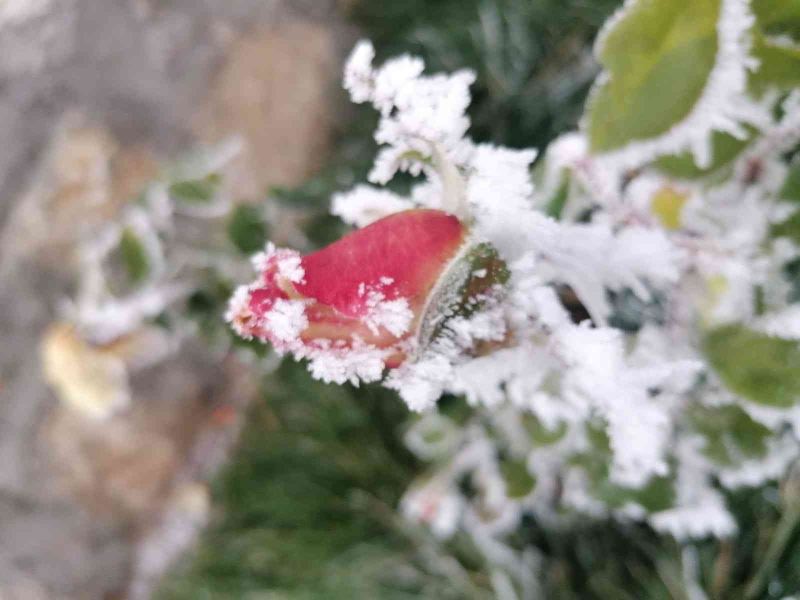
[(197, 191), (725, 149), (556, 204), (657, 60), (730, 434), (790, 228), (134, 256), (541, 435), (247, 229), (791, 187), (519, 481), (778, 16), (779, 65), (759, 367), (657, 494)]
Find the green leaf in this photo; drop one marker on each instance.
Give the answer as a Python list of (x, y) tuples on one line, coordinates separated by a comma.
[(196, 191), (519, 482), (556, 204), (134, 256), (779, 65), (725, 149), (791, 187), (657, 57), (658, 494), (778, 16), (247, 229), (667, 205), (730, 434), (790, 228), (539, 434), (759, 367)]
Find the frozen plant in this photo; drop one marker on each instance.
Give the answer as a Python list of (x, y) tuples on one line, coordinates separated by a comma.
[(619, 311), (146, 284)]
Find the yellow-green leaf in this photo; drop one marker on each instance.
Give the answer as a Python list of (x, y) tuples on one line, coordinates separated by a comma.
[(667, 205), (657, 58), (779, 65), (759, 367), (134, 256), (196, 191)]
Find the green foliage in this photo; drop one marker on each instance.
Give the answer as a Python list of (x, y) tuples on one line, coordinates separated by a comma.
[(789, 228), (519, 481), (529, 56), (780, 65), (555, 205), (759, 367), (791, 188), (304, 512), (779, 62), (541, 435), (294, 517), (657, 57), (247, 229), (196, 191), (657, 494), (778, 17), (730, 434), (725, 148), (134, 256)]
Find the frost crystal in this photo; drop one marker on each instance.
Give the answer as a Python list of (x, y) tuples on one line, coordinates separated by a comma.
[(394, 315), (586, 368), (287, 319)]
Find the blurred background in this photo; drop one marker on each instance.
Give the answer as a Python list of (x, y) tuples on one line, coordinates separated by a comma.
[(165, 462)]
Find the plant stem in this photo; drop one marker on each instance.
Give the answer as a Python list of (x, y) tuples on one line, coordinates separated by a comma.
[(783, 533)]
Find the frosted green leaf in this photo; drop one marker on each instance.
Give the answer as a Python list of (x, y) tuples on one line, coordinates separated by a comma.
[(656, 495), (759, 367), (724, 147), (541, 435), (779, 65), (778, 16), (658, 57), (729, 433), (519, 482), (134, 256)]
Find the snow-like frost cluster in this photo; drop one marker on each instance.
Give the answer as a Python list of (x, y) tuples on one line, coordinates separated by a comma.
[(684, 257)]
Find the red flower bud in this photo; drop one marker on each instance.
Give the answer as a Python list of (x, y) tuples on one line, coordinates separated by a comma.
[(352, 307)]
